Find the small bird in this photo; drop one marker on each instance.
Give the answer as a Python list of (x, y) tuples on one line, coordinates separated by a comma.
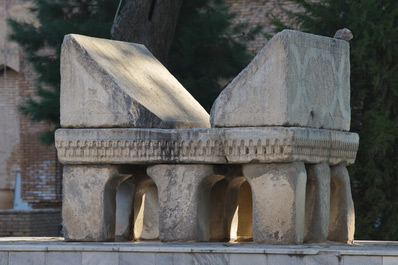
[(343, 34)]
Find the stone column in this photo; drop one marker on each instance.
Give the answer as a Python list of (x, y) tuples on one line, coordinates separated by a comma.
[(317, 203), (232, 204), (89, 202), (278, 202), (342, 215), (181, 218), (124, 210), (146, 211)]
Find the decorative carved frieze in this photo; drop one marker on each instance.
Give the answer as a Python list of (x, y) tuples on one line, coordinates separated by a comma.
[(215, 145)]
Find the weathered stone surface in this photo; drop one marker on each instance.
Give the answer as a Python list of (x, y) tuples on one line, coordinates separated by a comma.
[(317, 203), (215, 145), (297, 79), (89, 202), (342, 215), (245, 210), (104, 258), (146, 211), (108, 83), (278, 202), (233, 206), (124, 210), (183, 214)]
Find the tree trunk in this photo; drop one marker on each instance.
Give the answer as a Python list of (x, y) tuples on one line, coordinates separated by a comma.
[(149, 22)]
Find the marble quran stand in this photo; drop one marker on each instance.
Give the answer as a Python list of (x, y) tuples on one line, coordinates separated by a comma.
[(143, 160)]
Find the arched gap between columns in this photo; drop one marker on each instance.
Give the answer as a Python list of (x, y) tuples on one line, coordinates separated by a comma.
[(244, 232), (146, 211), (230, 207), (137, 210)]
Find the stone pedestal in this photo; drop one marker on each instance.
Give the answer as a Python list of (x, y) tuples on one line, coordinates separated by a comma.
[(342, 215), (289, 108), (89, 205), (146, 211), (317, 203), (278, 202), (179, 186)]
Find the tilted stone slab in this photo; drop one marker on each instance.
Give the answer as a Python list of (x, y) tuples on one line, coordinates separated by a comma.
[(297, 79), (107, 83), (213, 145)]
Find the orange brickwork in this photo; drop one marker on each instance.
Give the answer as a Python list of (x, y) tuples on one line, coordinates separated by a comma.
[(41, 174)]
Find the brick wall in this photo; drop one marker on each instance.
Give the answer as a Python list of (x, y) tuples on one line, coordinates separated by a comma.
[(41, 173), (9, 136), (43, 222)]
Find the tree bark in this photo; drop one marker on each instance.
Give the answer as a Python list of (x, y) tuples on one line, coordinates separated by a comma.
[(148, 22)]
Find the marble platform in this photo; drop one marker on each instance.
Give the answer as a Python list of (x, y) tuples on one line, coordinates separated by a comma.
[(54, 251)]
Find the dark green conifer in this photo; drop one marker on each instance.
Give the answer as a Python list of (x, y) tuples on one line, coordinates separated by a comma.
[(208, 49)]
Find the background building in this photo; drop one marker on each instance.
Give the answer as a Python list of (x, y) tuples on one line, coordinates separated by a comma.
[(30, 177)]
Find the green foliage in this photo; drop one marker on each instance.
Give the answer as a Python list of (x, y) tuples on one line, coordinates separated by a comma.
[(56, 19), (206, 48), (374, 98)]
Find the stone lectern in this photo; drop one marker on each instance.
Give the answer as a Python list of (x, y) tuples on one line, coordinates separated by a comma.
[(143, 160)]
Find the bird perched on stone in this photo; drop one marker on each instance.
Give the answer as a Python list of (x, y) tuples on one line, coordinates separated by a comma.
[(343, 34)]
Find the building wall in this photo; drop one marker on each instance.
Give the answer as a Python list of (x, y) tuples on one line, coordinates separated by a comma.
[(41, 173), (10, 157), (20, 149), (44, 222)]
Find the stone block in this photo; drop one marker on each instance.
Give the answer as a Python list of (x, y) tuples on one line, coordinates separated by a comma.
[(107, 83), (210, 259), (182, 258), (89, 202), (297, 79), (317, 203), (62, 258), (100, 258), (355, 260), (26, 258), (252, 259), (136, 259), (390, 260), (278, 202), (325, 259), (164, 259), (183, 201), (342, 214), (4, 258), (285, 260)]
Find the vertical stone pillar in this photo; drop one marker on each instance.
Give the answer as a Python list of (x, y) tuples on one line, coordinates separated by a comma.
[(180, 216), (146, 211), (278, 202), (89, 202), (124, 210), (342, 215), (232, 205), (317, 203)]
